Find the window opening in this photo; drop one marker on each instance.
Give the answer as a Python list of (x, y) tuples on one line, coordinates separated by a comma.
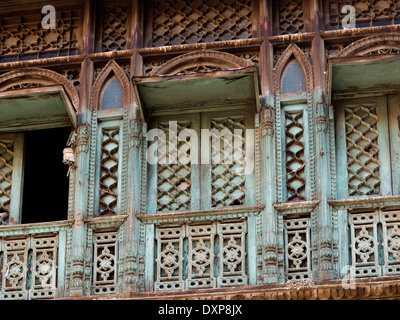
[(45, 190)]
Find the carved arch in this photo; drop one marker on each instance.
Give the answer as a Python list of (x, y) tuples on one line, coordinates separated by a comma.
[(293, 51), (32, 77), (370, 44), (207, 59), (111, 68)]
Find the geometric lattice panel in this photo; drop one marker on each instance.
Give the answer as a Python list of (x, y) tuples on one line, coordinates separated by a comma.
[(295, 149), (364, 244), (369, 13), (105, 262), (375, 243), (391, 241), (109, 163), (15, 268), (6, 169), (362, 150), (44, 267), (227, 178), (23, 38), (201, 256), (174, 176), (291, 16), (178, 22), (232, 254), (298, 245), (114, 29), (29, 269), (215, 254), (170, 258)]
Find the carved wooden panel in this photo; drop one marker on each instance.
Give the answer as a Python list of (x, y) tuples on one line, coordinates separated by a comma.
[(109, 171), (369, 13), (6, 169), (362, 150), (170, 258), (215, 253), (23, 38), (391, 241), (364, 244), (29, 267), (295, 155), (201, 256), (174, 177), (105, 262), (227, 181), (184, 21), (232, 254), (15, 267), (44, 267), (291, 16), (297, 248), (114, 28), (375, 249)]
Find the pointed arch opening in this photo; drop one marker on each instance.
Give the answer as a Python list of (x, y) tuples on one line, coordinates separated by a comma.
[(293, 78), (112, 94), (111, 89), (293, 71)]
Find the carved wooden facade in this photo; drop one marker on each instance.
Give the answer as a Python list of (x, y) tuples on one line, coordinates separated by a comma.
[(315, 108)]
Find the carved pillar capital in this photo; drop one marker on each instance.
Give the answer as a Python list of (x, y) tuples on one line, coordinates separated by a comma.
[(82, 134), (321, 116), (135, 133), (267, 116)]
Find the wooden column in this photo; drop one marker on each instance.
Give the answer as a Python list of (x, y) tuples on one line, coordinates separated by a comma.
[(268, 219), (77, 285), (135, 144), (316, 15), (323, 184)]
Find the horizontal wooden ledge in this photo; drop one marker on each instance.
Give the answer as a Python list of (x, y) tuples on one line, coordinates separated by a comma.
[(200, 215), (357, 32), (108, 222), (30, 228), (176, 49), (43, 62), (365, 202), (296, 207)]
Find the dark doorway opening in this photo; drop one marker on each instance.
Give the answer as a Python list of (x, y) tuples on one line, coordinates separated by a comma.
[(45, 190)]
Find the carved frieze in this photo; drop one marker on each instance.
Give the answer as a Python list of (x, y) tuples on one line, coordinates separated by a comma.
[(200, 61)]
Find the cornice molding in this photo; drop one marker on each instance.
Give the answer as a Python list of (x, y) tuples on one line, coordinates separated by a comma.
[(201, 215)]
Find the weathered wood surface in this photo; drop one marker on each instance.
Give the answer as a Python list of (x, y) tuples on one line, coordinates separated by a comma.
[(116, 253)]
